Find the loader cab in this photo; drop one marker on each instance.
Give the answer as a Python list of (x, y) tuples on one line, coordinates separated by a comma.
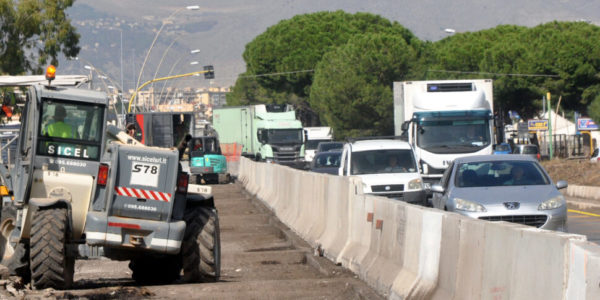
[(62, 130)]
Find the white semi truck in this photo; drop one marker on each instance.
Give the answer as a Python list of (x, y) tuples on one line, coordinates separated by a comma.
[(444, 120)]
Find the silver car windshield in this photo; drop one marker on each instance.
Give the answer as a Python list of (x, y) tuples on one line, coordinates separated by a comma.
[(383, 161), (499, 173)]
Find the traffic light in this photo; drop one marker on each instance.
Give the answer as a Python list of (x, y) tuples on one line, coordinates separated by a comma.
[(209, 72)]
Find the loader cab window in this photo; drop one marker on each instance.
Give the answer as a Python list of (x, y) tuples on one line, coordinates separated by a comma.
[(70, 129)]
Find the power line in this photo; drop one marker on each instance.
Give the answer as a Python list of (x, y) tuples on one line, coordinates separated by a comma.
[(497, 74), (276, 74)]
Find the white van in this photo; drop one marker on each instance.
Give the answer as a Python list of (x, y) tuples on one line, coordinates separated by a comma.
[(387, 168)]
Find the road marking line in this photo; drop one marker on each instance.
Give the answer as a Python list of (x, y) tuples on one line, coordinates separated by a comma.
[(583, 213)]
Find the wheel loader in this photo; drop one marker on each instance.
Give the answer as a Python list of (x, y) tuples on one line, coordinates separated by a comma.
[(80, 187)]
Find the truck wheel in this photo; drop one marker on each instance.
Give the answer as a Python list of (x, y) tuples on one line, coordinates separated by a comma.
[(201, 247), (50, 265), (15, 256), (153, 270)]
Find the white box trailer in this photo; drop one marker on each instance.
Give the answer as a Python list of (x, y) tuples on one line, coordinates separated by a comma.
[(315, 135), (444, 120)]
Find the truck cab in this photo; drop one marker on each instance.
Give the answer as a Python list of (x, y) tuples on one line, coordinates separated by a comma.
[(444, 120), (387, 168)]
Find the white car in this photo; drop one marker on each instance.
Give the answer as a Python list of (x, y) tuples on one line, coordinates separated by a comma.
[(387, 168)]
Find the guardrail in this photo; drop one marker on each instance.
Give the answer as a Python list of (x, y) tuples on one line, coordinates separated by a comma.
[(411, 252)]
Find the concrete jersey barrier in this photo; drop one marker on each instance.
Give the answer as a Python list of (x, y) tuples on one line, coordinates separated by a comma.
[(411, 252)]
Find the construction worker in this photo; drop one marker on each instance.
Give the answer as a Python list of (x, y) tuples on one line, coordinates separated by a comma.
[(131, 129), (59, 128)]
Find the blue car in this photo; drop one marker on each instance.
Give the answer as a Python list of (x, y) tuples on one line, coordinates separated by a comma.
[(503, 148)]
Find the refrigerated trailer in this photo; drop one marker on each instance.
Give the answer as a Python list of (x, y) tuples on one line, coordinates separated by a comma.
[(444, 120)]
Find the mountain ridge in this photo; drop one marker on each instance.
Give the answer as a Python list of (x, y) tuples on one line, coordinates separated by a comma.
[(222, 29)]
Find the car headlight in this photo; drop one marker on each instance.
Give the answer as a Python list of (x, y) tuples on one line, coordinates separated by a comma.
[(552, 203), (415, 184), (462, 204)]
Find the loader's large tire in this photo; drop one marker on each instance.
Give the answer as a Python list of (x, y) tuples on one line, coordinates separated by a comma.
[(201, 247), (14, 256), (51, 267), (156, 270)]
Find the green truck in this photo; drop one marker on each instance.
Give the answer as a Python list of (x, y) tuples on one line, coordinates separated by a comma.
[(268, 133)]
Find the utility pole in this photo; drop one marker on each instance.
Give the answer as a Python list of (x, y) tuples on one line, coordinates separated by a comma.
[(122, 87), (550, 126)]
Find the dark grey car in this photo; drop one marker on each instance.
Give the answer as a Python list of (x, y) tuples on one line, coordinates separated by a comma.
[(512, 188), (326, 162), (527, 149), (329, 146)]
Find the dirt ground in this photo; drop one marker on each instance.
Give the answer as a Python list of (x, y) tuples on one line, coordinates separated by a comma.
[(260, 259), (575, 172)]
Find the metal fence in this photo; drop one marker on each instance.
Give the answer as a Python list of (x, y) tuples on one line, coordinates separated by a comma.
[(565, 145), (9, 135)]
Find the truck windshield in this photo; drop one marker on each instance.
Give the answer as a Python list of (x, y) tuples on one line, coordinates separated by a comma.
[(284, 136), (454, 136), (70, 129), (383, 161)]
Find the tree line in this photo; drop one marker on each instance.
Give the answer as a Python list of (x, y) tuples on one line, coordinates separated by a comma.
[(338, 68)]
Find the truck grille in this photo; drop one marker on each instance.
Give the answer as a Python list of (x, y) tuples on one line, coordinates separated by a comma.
[(285, 153), (530, 220), (387, 188), (214, 161)]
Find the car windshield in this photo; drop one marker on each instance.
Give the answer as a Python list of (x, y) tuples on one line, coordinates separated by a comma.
[(530, 150), (312, 144), (327, 160), (502, 147), (330, 146), (499, 173), (70, 129), (383, 161)]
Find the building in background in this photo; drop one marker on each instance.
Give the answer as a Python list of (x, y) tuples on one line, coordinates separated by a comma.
[(200, 100)]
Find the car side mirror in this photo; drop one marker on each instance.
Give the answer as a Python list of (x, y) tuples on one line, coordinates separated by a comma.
[(405, 125), (436, 188), (561, 184)]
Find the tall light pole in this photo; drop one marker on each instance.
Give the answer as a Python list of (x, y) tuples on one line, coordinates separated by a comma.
[(164, 22), (121, 30), (194, 51), (91, 75)]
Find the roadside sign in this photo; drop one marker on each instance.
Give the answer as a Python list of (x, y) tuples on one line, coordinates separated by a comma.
[(586, 124), (533, 125)]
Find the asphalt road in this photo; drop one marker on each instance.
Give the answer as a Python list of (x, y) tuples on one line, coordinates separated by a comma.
[(584, 218), (261, 259)]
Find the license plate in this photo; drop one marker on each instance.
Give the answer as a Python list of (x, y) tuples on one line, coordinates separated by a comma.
[(144, 174)]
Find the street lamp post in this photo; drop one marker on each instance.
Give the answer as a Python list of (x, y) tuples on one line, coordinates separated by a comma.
[(191, 7), (208, 73), (91, 75)]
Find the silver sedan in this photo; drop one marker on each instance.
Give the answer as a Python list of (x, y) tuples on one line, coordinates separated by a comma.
[(510, 188)]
